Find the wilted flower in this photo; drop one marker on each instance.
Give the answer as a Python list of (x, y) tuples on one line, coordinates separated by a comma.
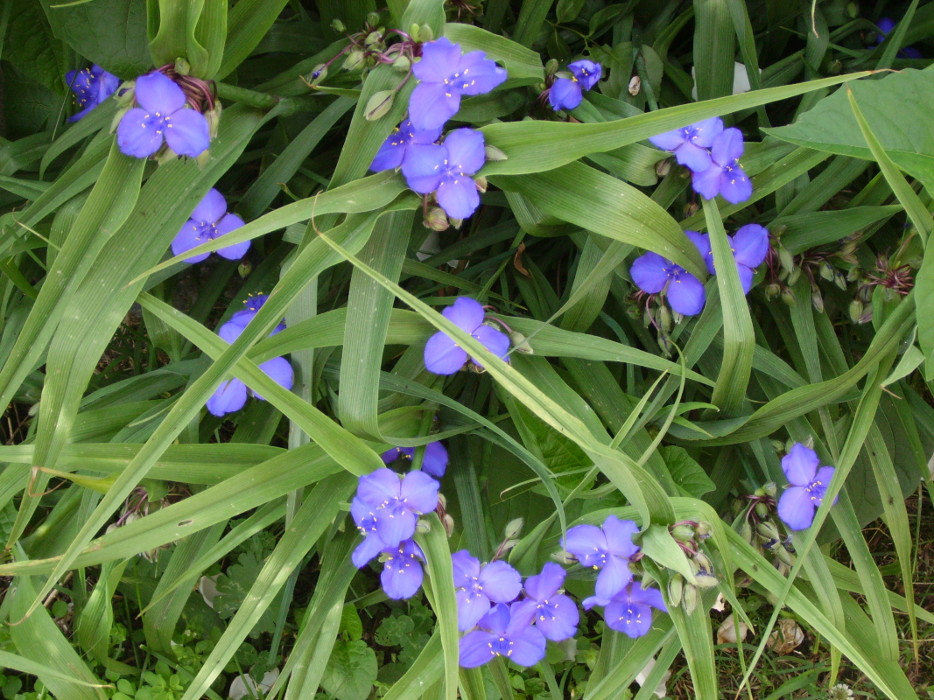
[(567, 93), (391, 154), (808, 484), (725, 176), (504, 631), (446, 170), (556, 614), (442, 353), (654, 274), (91, 87), (691, 144), (630, 610), (445, 74), (208, 222), (434, 462), (479, 587), (608, 549), (162, 117)]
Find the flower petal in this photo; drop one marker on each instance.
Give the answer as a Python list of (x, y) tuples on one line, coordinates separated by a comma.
[(395, 523), (471, 608), (821, 482), (440, 58), (558, 619), (701, 241), (138, 134), (458, 196), (795, 508), (187, 238), (280, 371), (750, 245), (422, 166), (587, 73), (705, 132), (728, 146), (547, 583), (466, 568), (501, 583), (435, 461), (402, 574), (613, 577), (528, 647), (157, 93), (565, 94), (646, 596), (442, 354), (669, 140), (707, 183), (649, 272), (631, 619), (229, 397), (366, 550), (735, 185), (419, 492), (745, 277), (586, 542), (696, 158), (465, 150), (432, 104), (465, 313), (229, 223), (493, 340), (187, 132), (211, 208), (619, 534), (478, 74), (379, 488), (686, 295), (800, 465), (475, 649)]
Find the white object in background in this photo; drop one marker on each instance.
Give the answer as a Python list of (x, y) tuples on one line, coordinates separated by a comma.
[(740, 80), (244, 686)]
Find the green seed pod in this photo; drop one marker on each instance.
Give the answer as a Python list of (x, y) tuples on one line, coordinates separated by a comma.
[(690, 598), (379, 104), (182, 67), (762, 510), (683, 532), (675, 590), (372, 19), (855, 310), (513, 529), (520, 343), (437, 220), (338, 26), (492, 153), (354, 60), (402, 64)]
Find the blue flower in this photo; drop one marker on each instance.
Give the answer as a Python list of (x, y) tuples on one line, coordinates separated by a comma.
[(725, 176), (209, 221), (556, 615), (479, 587), (808, 483), (567, 93), (654, 274), (608, 549), (630, 610), (445, 74), (391, 154), (442, 353), (886, 25), (691, 144), (91, 87), (162, 118), (446, 170), (402, 570), (231, 395), (504, 631), (750, 245), (435, 461)]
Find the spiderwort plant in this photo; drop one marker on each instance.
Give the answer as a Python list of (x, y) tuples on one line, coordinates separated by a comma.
[(231, 395), (630, 610), (556, 614), (608, 549), (750, 245), (808, 482), (725, 176), (208, 222), (654, 274), (445, 74), (392, 153), (434, 461), (507, 631), (442, 353), (446, 169), (568, 93), (402, 573), (91, 87), (162, 117), (691, 144), (478, 587)]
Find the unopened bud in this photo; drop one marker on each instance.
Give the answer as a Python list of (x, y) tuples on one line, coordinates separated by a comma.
[(852, 10), (481, 183), (403, 64), (635, 85), (448, 522), (786, 259), (213, 117), (675, 590), (373, 38), (513, 529), (745, 531), (770, 488), (762, 510), (706, 580), (494, 154), (702, 530), (788, 297), (551, 67), (354, 60), (817, 301), (683, 533), (827, 271), (425, 33), (436, 219), (703, 562), (767, 531), (244, 268), (773, 290), (690, 209), (663, 167), (856, 310), (318, 74), (664, 319), (182, 67), (793, 276), (784, 556), (835, 67), (423, 526), (520, 343), (372, 19), (839, 279), (338, 26), (689, 597), (379, 104)]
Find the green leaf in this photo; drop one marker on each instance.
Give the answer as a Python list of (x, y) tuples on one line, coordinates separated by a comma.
[(351, 671), (686, 473), (33, 49)]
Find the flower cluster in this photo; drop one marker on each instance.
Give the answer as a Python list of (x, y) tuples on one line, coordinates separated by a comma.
[(654, 274), (208, 222), (609, 549), (886, 25), (442, 353), (712, 155), (91, 87), (808, 482), (231, 395), (568, 92), (444, 169), (385, 510), (434, 462), (162, 117)]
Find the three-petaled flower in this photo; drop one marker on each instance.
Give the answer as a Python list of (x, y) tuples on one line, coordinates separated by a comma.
[(392, 153), (750, 245), (505, 631), (691, 144), (446, 170), (630, 610), (725, 175), (479, 587), (654, 274), (445, 74), (556, 615), (567, 93), (608, 549), (434, 462), (209, 221), (402, 573), (808, 483), (91, 87), (231, 395), (162, 117), (442, 353)]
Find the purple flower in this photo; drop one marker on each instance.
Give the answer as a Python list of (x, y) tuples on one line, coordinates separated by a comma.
[(556, 614), (162, 117), (654, 274), (402, 570), (725, 176), (504, 631), (445, 169), (391, 154), (231, 395), (608, 549), (444, 356), (435, 461), (91, 87), (808, 484), (886, 25), (567, 93), (445, 74), (691, 144), (209, 221), (630, 610), (387, 506), (479, 587), (750, 245)]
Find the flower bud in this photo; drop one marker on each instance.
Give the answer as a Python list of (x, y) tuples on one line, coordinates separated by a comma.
[(690, 209), (690, 598), (852, 10), (786, 259), (704, 580), (244, 268), (372, 19), (745, 531), (422, 526), (793, 276), (683, 532), (817, 301), (520, 343), (664, 319), (839, 279), (773, 290), (318, 74), (663, 167), (856, 310), (481, 183), (415, 33), (827, 271), (551, 67), (513, 529), (354, 60), (425, 33), (702, 530), (784, 556), (182, 66), (379, 104), (436, 219), (767, 531), (448, 523), (402, 64), (770, 488), (494, 154), (762, 510), (675, 590), (338, 26), (213, 117), (788, 297), (373, 38)]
